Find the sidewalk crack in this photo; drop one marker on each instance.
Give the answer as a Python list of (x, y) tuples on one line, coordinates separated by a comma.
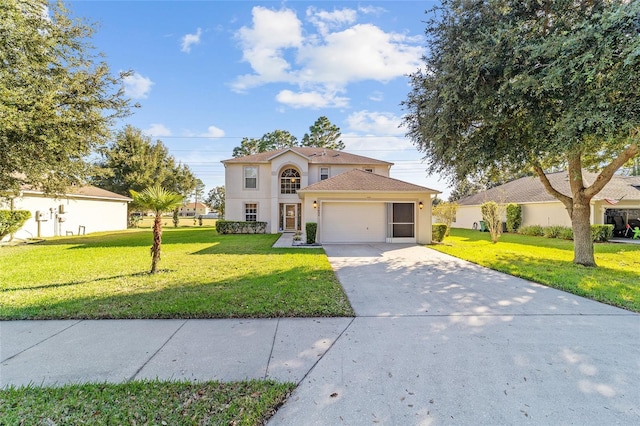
[(156, 352), (273, 345), (42, 341)]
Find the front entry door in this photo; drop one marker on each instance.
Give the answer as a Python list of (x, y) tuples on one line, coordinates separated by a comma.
[(290, 217)]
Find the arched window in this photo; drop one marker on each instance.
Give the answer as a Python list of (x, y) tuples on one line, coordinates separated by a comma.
[(289, 181)]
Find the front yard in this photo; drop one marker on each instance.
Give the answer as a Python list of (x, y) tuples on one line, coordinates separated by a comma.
[(202, 275), (615, 281)]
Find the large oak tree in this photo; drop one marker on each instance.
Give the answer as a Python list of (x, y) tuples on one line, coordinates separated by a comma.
[(508, 84), (58, 98)]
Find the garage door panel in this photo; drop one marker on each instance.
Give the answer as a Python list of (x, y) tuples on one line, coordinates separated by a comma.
[(353, 222)]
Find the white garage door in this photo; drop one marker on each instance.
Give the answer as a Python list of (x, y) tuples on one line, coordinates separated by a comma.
[(353, 223)]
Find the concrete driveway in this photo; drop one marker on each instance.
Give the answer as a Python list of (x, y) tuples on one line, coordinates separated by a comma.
[(438, 340)]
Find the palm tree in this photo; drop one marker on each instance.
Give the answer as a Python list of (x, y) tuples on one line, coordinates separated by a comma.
[(159, 200)]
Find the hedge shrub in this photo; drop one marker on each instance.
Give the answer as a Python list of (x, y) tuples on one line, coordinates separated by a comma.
[(532, 231), (566, 233), (553, 231), (238, 227), (438, 231), (514, 217), (311, 228), (601, 233), (12, 220)]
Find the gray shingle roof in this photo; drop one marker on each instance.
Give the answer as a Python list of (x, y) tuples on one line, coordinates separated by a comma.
[(359, 180), (314, 155), (529, 189)]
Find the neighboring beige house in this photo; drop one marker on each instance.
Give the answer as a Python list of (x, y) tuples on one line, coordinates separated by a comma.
[(350, 197), (82, 210), (193, 209), (618, 203)]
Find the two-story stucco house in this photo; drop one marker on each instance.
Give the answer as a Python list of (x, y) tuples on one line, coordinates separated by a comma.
[(350, 197)]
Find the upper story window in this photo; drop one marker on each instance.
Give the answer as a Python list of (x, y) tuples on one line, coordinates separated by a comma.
[(250, 177), (289, 181), (368, 169), (324, 173)]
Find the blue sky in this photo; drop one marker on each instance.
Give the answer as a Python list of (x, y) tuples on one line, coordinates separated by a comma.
[(208, 73)]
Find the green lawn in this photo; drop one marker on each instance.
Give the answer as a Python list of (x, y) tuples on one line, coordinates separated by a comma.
[(615, 281), (202, 275), (156, 403)]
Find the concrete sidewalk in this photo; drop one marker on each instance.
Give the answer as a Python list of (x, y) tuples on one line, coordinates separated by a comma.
[(60, 352)]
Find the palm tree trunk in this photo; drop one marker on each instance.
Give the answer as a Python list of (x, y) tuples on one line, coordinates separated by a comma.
[(157, 242)]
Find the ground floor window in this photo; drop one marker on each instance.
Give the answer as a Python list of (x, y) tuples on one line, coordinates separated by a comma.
[(250, 212), (401, 222)]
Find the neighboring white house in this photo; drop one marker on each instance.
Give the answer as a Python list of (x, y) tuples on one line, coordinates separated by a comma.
[(82, 210), (193, 209), (618, 203), (350, 197)]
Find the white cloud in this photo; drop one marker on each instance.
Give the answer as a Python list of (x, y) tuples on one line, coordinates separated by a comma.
[(213, 132), (137, 86), (263, 45), (157, 130), (189, 40), (380, 123), (361, 52), (375, 10), (326, 21), (312, 99), (322, 63)]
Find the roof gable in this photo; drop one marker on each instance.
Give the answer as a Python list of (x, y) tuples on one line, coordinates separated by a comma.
[(359, 180)]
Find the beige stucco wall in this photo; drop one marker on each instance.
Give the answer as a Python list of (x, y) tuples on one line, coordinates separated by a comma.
[(95, 215), (336, 169)]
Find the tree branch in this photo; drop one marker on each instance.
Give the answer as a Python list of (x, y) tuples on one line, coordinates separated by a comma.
[(567, 201), (607, 173)]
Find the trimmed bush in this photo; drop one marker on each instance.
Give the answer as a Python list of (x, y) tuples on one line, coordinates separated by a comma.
[(238, 227), (566, 233), (514, 217), (438, 231), (601, 233), (311, 229), (553, 231), (532, 231), (12, 220)]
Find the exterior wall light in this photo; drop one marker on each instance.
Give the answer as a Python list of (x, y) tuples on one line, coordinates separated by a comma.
[(315, 204), (420, 205)]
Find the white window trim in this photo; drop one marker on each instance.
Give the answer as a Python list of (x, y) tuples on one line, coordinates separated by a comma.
[(244, 177)]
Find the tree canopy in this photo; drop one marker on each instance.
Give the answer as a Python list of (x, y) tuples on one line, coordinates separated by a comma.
[(58, 99), (515, 85), (322, 134), (133, 162)]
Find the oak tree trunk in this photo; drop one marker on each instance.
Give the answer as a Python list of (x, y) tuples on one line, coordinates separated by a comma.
[(583, 253)]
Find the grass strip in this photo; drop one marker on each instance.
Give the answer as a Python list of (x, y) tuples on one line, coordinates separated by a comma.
[(202, 275), (144, 402), (616, 280)]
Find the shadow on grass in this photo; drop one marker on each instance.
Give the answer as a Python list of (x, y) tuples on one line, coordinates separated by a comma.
[(72, 283), (293, 292), (607, 285)]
